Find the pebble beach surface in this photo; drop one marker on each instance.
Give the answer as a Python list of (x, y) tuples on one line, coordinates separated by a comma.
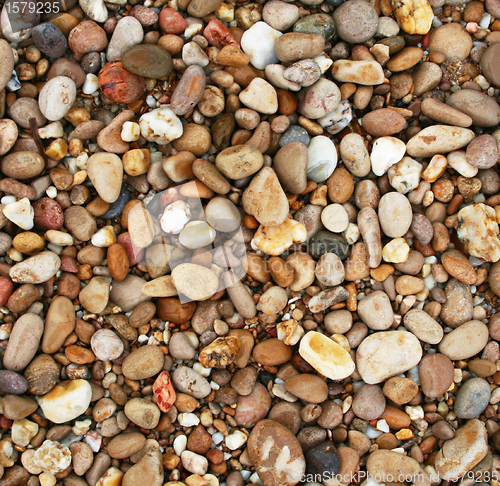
[(250, 242)]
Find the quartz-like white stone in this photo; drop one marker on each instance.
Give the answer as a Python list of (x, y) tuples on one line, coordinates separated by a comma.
[(386, 152), (20, 213), (95, 10), (161, 125), (338, 119), (175, 217), (91, 84), (197, 234), (258, 44), (405, 175)]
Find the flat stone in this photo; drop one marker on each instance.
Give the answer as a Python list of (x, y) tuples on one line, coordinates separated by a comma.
[(472, 398), (148, 60)]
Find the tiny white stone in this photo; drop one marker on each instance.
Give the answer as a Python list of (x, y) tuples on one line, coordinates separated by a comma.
[(20, 213), (161, 125), (258, 44), (205, 372), (218, 437), (188, 419), (458, 161), (386, 152), (51, 192), (8, 200), (52, 130), (175, 217), (324, 62), (91, 84), (131, 131), (197, 234), (484, 23), (382, 426), (415, 413), (235, 440), (95, 10), (104, 237), (180, 444)]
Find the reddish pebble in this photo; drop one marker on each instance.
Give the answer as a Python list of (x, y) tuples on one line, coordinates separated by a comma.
[(219, 35), (48, 214), (6, 289), (134, 254), (172, 22), (118, 263), (5, 423), (164, 391), (68, 264)]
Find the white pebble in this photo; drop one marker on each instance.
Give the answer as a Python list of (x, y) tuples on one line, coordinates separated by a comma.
[(188, 419), (52, 130), (51, 192), (338, 119), (235, 440), (175, 217), (104, 238), (205, 372), (218, 437), (458, 161), (197, 234), (386, 152), (258, 44), (484, 23), (8, 200), (20, 213), (131, 131), (161, 125), (382, 426), (405, 175), (324, 62), (91, 84), (180, 444), (415, 413)]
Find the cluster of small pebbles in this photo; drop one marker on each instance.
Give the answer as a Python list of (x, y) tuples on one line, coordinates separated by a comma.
[(249, 242)]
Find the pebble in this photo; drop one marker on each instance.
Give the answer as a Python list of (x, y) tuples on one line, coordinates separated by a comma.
[(443, 113), (57, 97), (394, 214), (385, 354), (458, 266), (36, 269), (106, 345), (260, 96), (310, 388), (326, 356), (458, 307), (105, 171), (463, 452), (474, 333), (383, 122), (189, 381), (423, 326), (386, 151), (269, 206), (7, 60), (294, 46), (276, 454), (253, 407), (280, 15), (426, 77), (258, 43), (488, 66), (322, 158), (483, 109), (319, 100), (354, 154), (316, 24), (330, 271), (49, 39), (482, 152), (148, 60), (66, 401), (369, 402), (356, 21), (400, 390), (438, 139), (386, 463), (326, 242), (452, 40), (323, 459), (128, 33), (375, 311), (290, 165), (472, 398), (195, 281), (143, 363)]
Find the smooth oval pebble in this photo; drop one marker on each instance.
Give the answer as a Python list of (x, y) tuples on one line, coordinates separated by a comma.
[(438, 139), (385, 354), (57, 97), (143, 363), (118, 84), (22, 165), (189, 381), (385, 121), (310, 388), (472, 398), (36, 269), (49, 39), (148, 60), (423, 326), (465, 341), (239, 161), (194, 281)]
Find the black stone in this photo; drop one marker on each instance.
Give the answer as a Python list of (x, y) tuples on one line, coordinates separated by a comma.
[(49, 39), (116, 208), (326, 242), (323, 460)]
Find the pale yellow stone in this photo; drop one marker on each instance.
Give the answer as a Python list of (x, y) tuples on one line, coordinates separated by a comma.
[(112, 477), (23, 431), (274, 240), (160, 287), (326, 356), (57, 149), (396, 251)]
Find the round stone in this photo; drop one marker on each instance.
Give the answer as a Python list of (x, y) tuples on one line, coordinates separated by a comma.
[(472, 398), (335, 218), (356, 21)]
